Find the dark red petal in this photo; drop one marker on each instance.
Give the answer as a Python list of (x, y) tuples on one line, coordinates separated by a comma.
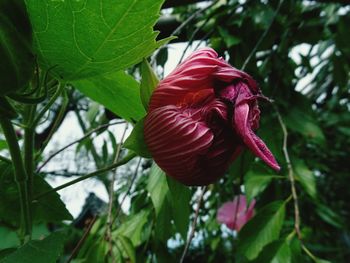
[(176, 149), (253, 142)]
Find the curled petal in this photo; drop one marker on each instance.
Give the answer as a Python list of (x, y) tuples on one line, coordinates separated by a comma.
[(253, 142)]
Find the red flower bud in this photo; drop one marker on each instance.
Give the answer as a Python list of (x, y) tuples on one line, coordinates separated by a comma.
[(236, 214), (201, 116)]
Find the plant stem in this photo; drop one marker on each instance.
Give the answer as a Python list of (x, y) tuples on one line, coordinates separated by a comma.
[(20, 177), (98, 172), (29, 148), (194, 223), (290, 175)]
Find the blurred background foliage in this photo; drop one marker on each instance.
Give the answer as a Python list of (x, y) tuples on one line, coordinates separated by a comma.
[(299, 53)]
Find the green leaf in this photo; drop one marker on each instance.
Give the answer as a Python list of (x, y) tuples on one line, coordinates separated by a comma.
[(305, 177), (180, 198), (17, 60), (302, 121), (96, 252), (117, 91), (229, 39), (149, 82), (329, 216), (136, 141), (256, 181), (263, 229), (133, 227), (87, 38), (48, 209), (276, 252), (3, 145), (157, 187), (43, 251), (9, 238), (128, 248)]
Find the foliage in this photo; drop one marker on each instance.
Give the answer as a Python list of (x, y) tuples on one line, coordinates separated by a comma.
[(99, 62)]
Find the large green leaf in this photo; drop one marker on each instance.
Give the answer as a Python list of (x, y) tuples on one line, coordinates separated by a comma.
[(86, 38), (47, 209), (157, 187), (128, 247), (160, 195), (256, 181), (17, 60), (133, 227), (306, 177), (117, 91), (263, 229), (276, 252), (180, 198), (44, 251)]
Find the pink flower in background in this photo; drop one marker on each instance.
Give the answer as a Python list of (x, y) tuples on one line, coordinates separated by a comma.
[(236, 214), (200, 118)]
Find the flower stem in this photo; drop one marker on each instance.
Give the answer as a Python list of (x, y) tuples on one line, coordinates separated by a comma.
[(20, 177)]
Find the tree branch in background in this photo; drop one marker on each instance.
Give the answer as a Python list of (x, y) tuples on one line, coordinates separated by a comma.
[(194, 223), (262, 36), (108, 168), (108, 233), (127, 191), (82, 240), (101, 127), (290, 175)]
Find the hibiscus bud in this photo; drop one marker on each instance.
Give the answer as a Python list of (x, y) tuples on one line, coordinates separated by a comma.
[(200, 118), (236, 214)]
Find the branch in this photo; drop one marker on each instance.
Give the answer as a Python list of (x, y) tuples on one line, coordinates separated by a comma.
[(98, 172), (262, 36), (174, 3), (77, 141), (82, 240), (290, 175), (127, 191), (108, 233), (194, 223)]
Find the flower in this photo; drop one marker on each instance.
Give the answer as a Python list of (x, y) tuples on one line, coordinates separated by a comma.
[(235, 214), (200, 118)]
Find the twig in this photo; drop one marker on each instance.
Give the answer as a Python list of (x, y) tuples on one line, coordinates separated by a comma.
[(290, 175), (185, 23), (98, 172), (111, 194), (127, 191), (77, 141), (82, 240), (262, 36), (193, 16), (194, 223)]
